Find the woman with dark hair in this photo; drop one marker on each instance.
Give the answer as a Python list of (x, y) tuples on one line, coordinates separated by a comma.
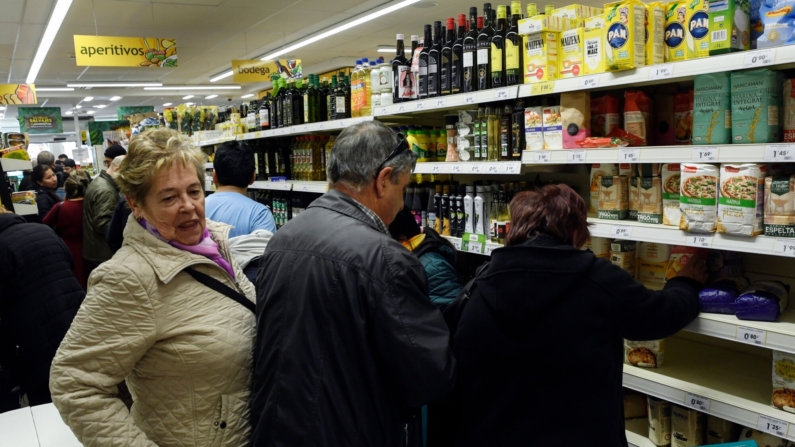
[(541, 335), (46, 183), (66, 218)]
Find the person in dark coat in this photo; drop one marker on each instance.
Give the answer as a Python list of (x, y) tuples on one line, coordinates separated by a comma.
[(46, 182), (40, 298), (542, 332), (115, 233), (349, 346)]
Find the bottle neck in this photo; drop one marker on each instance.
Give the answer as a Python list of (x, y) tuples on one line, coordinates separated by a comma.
[(400, 48), (427, 41), (450, 36)]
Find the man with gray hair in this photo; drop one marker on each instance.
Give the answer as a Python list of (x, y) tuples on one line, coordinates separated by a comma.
[(349, 345)]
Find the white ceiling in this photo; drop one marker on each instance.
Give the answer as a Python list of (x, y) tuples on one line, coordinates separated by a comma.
[(209, 33)]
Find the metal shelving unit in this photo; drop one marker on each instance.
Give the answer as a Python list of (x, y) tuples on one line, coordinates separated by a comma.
[(8, 165)]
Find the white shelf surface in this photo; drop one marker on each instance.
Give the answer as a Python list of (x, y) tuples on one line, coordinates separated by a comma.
[(485, 168), (305, 128), (725, 153), (448, 102), (778, 335), (208, 166), (17, 429), (737, 384), (25, 209), (274, 186), (638, 432), (12, 164), (290, 185), (51, 429), (215, 141)]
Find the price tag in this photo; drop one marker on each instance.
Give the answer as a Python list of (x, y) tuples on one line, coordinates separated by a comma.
[(575, 156), (502, 94), (700, 403), (475, 247), (304, 188), (621, 231), (436, 169), (541, 157), (510, 168), (321, 126), (473, 237), (493, 168), (381, 111), (440, 102), (589, 81), (469, 98), (780, 152), (760, 58), (699, 241), (476, 168), (773, 426), (705, 153), (784, 247), (490, 248), (457, 169), (456, 242), (662, 71), (750, 335), (629, 155), (283, 131), (401, 108), (542, 88), (305, 128), (419, 105)]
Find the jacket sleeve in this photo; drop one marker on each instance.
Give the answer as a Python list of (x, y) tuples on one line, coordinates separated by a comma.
[(443, 283), (51, 219), (45, 204), (106, 200), (114, 235), (638, 313), (112, 331), (410, 333)]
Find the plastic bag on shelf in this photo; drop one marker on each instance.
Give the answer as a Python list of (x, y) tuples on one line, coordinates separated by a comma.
[(720, 296), (763, 301)]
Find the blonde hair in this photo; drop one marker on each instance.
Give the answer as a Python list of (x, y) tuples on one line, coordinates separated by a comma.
[(150, 152), (76, 184)]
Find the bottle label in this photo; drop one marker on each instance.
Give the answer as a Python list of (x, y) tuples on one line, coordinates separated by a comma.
[(415, 60), (423, 79), (496, 59), (264, 118), (433, 88), (483, 56), (340, 104), (306, 108), (405, 84), (511, 58), (383, 81), (454, 84), (468, 59)]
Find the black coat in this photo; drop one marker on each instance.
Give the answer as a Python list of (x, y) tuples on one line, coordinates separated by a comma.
[(39, 297), (115, 233), (349, 345), (45, 200), (539, 346)]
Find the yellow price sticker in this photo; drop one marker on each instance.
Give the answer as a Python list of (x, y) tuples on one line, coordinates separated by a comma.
[(542, 88)]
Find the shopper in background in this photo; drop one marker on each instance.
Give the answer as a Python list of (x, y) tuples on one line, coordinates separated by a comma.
[(61, 175), (69, 165), (100, 201), (62, 158), (66, 218), (349, 346), (112, 152), (252, 222), (39, 298), (46, 183), (115, 233), (46, 158), (27, 183), (516, 383), (185, 348)]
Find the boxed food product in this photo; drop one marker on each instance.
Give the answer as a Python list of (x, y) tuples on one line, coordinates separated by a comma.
[(16, 152), (650, 206), (757, 27), (729, 26), (570, 59), (597, 171), (725, 264), (763, 301), (577, 11), (697, 31), (627, 169), (605, 115), (780, 206), (762, 439), (683, 117), (680, 256), (613, 197), (756, 98), (646, 354), (671, 179), (659, 421), (575, 114), (698, 198), (594, 45), (637, 111), (784, 381), (625, 260), (720, 296), (675, 13), (622, 246), (655, 33), (741, 199), (649, 169), (635, 405), (789, 111), (664, 116), (712, 112), (23, 197), (777, 23), (541, 56), (634, 197), (600, 246), (553, 128), (721, 431), (534, 128), (652, 264), (625, 35), (687, 427)]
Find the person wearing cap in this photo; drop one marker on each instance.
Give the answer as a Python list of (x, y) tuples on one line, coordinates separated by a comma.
[(112, 152), (100, 201), (69, 166)]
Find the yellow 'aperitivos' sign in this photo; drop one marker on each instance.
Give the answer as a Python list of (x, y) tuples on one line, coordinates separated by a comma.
[(112, 51)]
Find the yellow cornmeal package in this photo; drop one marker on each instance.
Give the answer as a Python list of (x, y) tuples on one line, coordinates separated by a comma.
[(697, 29), (571, 60), (577, 12), (625, 34), (594, 46), (541, 56), (675, 13), (655, 33)]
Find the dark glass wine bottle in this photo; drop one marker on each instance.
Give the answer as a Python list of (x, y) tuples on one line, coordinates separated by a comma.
[(514, 49), (434, 60), (332, 99), (498, 49), (400, 73), (484, 50), (456, 65), (447, 59), (470, 49)]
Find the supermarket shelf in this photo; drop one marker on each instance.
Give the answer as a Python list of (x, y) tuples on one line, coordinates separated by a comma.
[(734, 153), (25, 210), (274, 186), (496, 167), (316, 187), (304, 128), (18, 429), (777, 335), (672, 72), (448, 102), (208, 166), (12, 164), (736, 384), (638, 432), (215, 141), (480, 249)]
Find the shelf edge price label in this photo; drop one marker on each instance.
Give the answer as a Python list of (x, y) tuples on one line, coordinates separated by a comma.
[(419, 105), (541, 157), (510, 168), (773, 426), (436, 169), (589, 81), (456, 243), (629, 155), (469, 98), (440, 102), (760, 58), (784, 247), (621, 231), (699, 241), (700, 403), (780, 152), (304, 188), (502, 94), (493, 168), (705, 153), (475, 247), (321, 126), (575, 156), (401, 108), (542, 88), (476, 168), (457, 169), (662, 71), (382, 111), (490, 248), (750, 335)]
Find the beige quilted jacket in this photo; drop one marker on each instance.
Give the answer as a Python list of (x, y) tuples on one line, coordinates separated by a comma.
[(185, 350)]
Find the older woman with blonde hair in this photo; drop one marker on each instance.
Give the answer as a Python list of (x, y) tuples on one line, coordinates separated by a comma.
[(171, 312)]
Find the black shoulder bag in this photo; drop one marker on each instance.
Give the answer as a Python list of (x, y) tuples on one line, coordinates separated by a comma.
[(222, 288)]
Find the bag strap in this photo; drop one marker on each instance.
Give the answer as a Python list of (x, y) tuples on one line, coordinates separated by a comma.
[(222, 288)]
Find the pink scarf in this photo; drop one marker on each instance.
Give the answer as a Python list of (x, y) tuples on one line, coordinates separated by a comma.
[(207, 247)]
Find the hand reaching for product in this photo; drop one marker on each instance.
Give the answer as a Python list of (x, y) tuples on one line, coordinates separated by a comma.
[(696, 269)]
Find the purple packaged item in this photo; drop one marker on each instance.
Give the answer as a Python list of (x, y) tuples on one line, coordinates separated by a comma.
[(719, 297), (764, 301)]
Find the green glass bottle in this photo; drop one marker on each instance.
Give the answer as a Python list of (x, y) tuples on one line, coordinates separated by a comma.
[(331, 102)]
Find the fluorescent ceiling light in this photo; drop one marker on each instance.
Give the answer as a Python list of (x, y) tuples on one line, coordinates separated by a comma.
[(115, 98), (54, 89), (196, 87), (114, 84), (187, 97), (392, 50), (247, 96), (2, 107), (88, 98), (54, 24), (220, 76), (100, 106), (78, 106), (90, 112), (210, 96), (189, 103), (68, 112), (166, 104)]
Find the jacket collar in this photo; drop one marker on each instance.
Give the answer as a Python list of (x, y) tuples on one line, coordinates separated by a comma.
[(10, 219), (167, 261), (109, 179), (542, 252), (342, 203)]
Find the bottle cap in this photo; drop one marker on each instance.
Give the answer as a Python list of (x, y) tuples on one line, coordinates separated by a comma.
[(450, 23), (462, 20), (399, 37)]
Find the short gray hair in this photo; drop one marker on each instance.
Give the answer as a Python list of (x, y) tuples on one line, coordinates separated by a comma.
[(45, 158), (359, 151)]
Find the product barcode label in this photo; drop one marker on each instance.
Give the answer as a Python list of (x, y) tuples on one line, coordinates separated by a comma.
[(719, 36), (456, 242), (750, 335), (773, 426), (700, 403)]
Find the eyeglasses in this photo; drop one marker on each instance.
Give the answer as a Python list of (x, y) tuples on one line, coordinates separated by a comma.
[(402, 146)]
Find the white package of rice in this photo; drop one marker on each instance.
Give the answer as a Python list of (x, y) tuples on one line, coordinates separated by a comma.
[(741, 199), (687, 427), (659, 421), (698, 198)]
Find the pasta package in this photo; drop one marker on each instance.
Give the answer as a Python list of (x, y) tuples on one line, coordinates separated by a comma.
[(687, 427), (763, 301), (784, 381), (659, 421), (712, 109), (646, 354), (741, 199), (575, 112), (756, 99), (650, 206), (683, 117), (680, 256), (637, 112), (780, 206), (721, 431), (762, 439), (698, 198), (598, 170), (634, 197), (671, 179), (613, 197)]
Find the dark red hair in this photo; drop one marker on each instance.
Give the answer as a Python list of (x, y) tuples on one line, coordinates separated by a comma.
[(555, 210)]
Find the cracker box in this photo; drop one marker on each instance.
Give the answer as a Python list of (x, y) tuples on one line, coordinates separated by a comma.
[(697, 29), (571, 57), (625, 35), (594, 46), (729, 26), (655, 33), (675, 13)]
